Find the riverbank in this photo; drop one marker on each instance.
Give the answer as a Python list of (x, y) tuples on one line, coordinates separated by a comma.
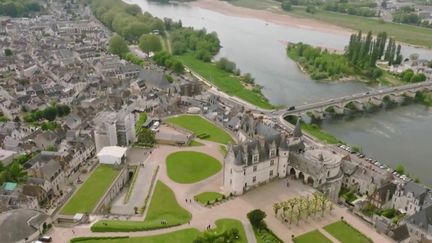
[(323, 21)]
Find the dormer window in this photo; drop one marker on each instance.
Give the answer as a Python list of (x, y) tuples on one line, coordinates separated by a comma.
[(255, 158), (272, 153)]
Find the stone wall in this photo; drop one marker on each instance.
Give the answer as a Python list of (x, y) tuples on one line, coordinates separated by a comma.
[(105, 202)]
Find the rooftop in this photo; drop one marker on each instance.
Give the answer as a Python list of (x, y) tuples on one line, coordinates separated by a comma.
[(114, 151)]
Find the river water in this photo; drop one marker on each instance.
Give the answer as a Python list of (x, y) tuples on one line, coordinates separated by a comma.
[(400, 135)]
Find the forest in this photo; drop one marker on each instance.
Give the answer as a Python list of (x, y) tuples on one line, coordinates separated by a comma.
[(19, 8), (360, 57)]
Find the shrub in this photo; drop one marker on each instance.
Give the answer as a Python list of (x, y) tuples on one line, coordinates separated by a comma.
[(256, 217)]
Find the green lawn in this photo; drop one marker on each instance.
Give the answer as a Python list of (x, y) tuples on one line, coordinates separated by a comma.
[(315, 131), (345, 233), (141, 120), (190, 167), (312, 237), (195, 143), (226, 224), (205, 197), (163, 206), (225, 81), (180, 236), (199, 125), (255, 4), (89, 194)]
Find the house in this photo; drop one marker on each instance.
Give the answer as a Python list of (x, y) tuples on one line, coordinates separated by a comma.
[(420, 225), (6, 156), (382, 197), (411, 197)]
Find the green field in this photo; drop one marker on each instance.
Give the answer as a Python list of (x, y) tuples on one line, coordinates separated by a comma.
[(195, 143), (345, 233), (409, 34), (163, 206), (199, 125), (205, 197), (180, 236), (312, 237), (89, 194), (224, 81), (190, 167)]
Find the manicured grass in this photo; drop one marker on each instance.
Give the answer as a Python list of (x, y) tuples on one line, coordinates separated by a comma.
[(142, 118), (199, 125), (205, 197), (190, 167), (345, 233), (223, 149), (180, 236), (163, 206), (226, 224), (195, 144), (89, 194), (312, 237), (225, 81)]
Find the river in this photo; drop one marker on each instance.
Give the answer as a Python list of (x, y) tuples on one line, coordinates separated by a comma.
[(399, 135)]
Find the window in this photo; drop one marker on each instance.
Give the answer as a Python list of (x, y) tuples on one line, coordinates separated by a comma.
[(230, 182), (255, 158), (255, 168), (272, 162), (231, 171), (272, 153), (271, 173), (254, 179)]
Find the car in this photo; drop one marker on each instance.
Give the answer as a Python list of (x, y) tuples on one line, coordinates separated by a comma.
[(367, 93), (382, 167), (291, 108), (45, 238)]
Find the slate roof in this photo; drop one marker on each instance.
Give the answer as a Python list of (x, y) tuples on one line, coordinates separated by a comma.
[(422, 219), (18, 224)]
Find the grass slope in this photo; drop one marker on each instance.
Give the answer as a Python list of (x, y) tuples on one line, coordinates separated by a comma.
[(190, 167), (226, 224), (205, 197), (89, 194), (199, 125), (163, 206), (312, 237), (180, 236), (225, 81), (345, 233)]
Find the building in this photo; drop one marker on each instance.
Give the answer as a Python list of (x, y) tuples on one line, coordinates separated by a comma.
[(22, 225), (112, 155), (268, 156), (420, 225), (114, 129), (6, 156), (411, 197)]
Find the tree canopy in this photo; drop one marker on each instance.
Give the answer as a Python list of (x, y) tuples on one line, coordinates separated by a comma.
[(150, 43), (118, 46)]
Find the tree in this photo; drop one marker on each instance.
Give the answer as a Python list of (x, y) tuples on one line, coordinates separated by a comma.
[(414, 56), (286, 5), (118, 46), (276, 208), (8, 52), (256, 217), (400, 169), (146, 137), (311, 9), (15, 173), (150, 43)]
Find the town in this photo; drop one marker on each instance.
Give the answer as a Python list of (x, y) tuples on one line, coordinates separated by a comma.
[(95, 147)]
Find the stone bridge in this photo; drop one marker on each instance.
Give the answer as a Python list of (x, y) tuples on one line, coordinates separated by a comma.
[(357, 101)]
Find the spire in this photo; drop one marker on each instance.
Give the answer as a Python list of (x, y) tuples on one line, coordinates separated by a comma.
[(297, 130)]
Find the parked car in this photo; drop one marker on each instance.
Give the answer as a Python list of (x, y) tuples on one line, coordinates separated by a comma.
[(45, 238)]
